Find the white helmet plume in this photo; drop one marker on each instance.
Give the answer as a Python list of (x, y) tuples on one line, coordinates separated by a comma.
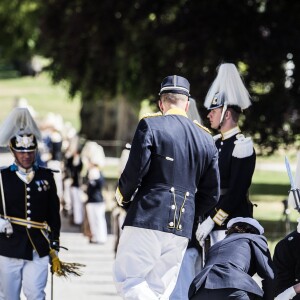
[(227, 89), (18, 122)]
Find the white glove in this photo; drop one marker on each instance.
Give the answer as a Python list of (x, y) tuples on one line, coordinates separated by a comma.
[(287, 294), (5, 227), (204, 230)]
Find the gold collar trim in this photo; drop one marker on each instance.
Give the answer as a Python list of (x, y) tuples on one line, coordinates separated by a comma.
[(228, 134), (25, 177), (176, 111)]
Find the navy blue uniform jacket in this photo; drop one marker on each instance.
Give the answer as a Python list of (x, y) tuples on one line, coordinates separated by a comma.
[(232, 262), (235, 180), (38, 201), (171, 174), (287, 263)]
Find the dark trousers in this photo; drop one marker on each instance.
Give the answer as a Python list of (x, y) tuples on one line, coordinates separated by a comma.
[(222, 294)]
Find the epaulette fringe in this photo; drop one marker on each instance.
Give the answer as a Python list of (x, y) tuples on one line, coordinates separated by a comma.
[(149, 115), (49, 169), (201, 126), (243, 147)]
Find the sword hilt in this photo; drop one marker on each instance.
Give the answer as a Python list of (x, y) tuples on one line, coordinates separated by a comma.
[(296, 195)]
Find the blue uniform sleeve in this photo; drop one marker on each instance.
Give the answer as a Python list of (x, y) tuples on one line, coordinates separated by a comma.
[(265, 269), (138, 163)]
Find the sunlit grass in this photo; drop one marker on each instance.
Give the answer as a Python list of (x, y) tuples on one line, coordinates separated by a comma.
[(42, 95)]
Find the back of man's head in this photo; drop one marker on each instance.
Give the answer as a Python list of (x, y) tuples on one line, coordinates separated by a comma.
[(173, 98)]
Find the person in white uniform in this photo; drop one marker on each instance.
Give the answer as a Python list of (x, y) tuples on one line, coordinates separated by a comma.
[(95, 205)]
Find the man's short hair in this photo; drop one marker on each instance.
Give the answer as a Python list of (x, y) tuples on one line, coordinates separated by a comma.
[(235, 114), (173, 98)]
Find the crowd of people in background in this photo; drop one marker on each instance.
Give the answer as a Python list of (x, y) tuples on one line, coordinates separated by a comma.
[(80, 184), (80, 181)]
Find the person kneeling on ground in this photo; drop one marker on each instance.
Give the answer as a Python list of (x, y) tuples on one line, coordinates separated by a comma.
[(231, 263)]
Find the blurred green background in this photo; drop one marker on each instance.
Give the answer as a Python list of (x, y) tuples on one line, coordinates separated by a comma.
[(42, 95)]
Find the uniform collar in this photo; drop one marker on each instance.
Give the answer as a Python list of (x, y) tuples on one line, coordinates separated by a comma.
[(16, 167), (228, 134), (26, 175), (176, 111)]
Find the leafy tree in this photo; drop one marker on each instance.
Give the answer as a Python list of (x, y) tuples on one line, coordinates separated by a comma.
[(19, 33), (115, 53)]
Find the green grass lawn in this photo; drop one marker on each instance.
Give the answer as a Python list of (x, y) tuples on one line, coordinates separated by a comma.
[(269, 186), (41, 95)]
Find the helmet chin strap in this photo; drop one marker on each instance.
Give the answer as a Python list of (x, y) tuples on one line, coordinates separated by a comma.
[(224, 108)]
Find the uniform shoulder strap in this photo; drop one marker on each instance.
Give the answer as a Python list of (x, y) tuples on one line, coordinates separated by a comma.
[(151, 115), (201, 126), (48, 169)]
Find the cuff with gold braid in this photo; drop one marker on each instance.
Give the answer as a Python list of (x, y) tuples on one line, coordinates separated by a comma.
[(119, 197), (220, 217)]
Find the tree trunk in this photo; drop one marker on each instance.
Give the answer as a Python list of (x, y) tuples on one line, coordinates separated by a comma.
[(110, 122)]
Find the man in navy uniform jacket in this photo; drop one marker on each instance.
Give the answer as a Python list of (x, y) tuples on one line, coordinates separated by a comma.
[(29, 201), (287, 266), (226, 100), (171, 177)]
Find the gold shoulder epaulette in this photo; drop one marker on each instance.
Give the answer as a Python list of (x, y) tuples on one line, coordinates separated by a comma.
[(201, 126), (49, 169), (149, 115)]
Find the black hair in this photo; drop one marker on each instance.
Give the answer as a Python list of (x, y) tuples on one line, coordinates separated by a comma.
[(241, 227), (235, 112)]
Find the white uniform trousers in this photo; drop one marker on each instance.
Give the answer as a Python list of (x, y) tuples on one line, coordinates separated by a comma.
[(97, 221), (17, 274), (67, 195), (77, 205), (190, 267), (147, 263)]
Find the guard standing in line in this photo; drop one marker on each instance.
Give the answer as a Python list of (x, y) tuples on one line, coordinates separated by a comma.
[(170, 178), (286, 260), (29, 210), (226, 100)]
